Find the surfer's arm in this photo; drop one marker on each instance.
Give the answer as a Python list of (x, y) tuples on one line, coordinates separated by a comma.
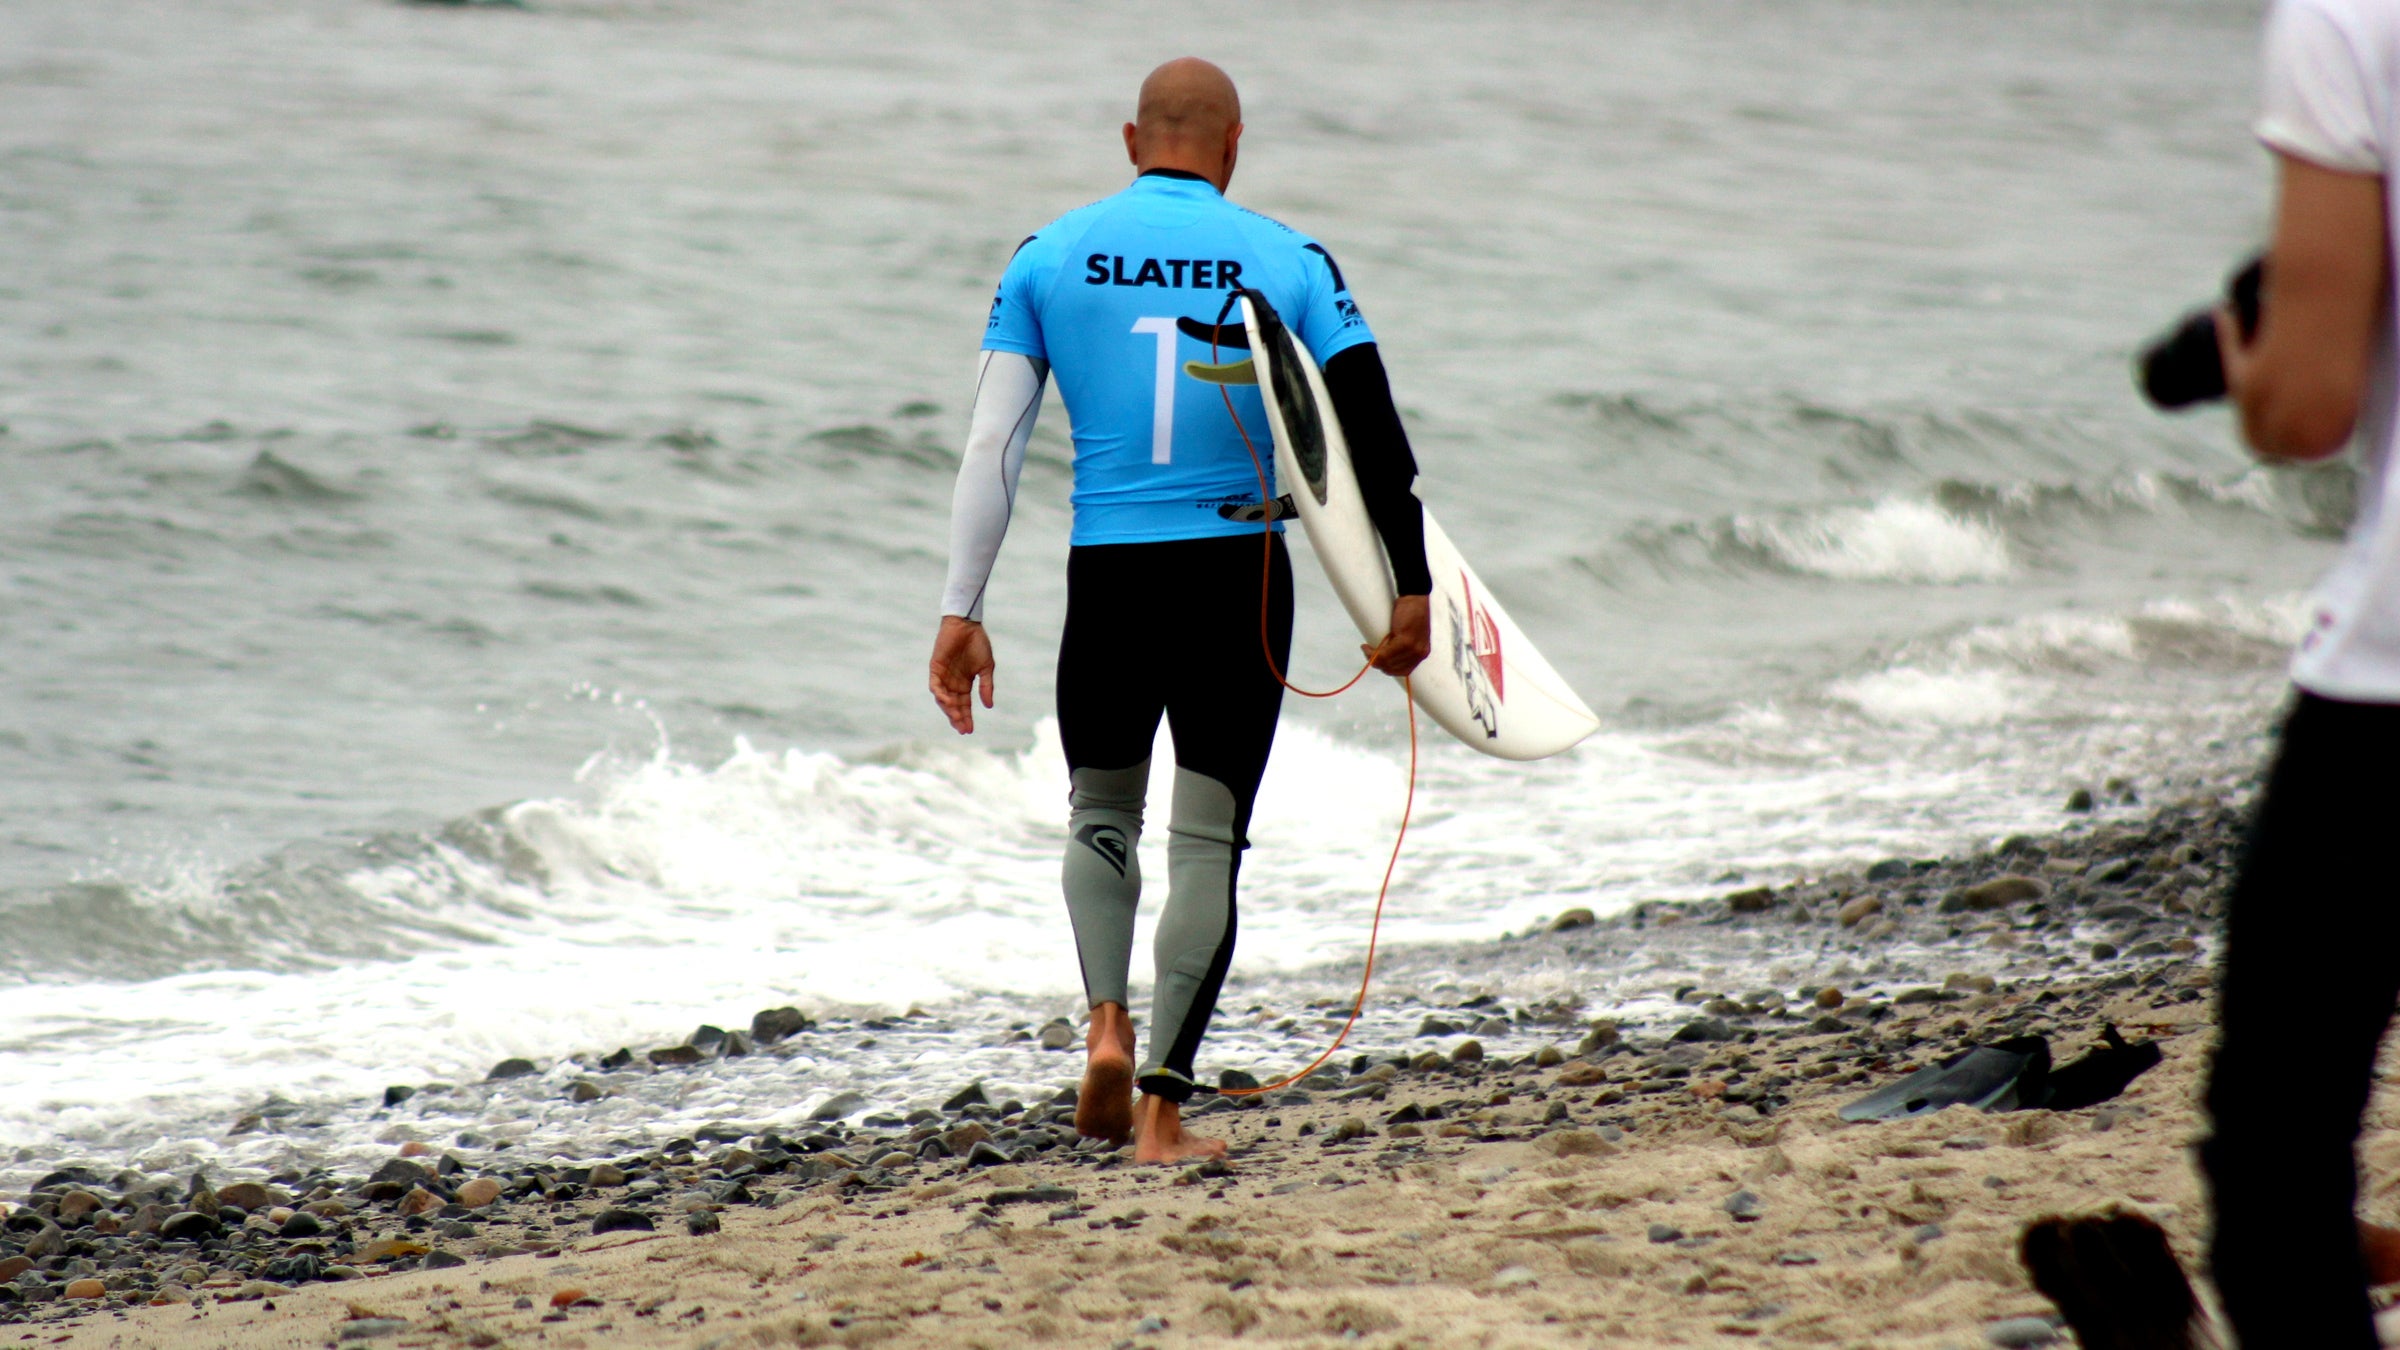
[(1380, 455), (1008, 396)]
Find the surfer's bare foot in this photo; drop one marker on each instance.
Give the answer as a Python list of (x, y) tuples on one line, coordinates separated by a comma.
[(1104, 1104), (1158, 1135)]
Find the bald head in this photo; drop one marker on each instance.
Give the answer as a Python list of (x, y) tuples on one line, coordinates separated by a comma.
[(1188, 118)]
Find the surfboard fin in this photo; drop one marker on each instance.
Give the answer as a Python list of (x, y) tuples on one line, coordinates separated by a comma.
[(1251, 513), (1243, 371)]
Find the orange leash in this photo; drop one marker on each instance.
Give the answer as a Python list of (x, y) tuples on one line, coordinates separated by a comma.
[(1359, 1004), (1267, 649)]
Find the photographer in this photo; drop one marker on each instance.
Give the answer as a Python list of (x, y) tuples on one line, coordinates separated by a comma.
[(2312, 950)]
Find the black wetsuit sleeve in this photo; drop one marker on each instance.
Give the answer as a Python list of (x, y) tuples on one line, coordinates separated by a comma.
[(1387, 469)]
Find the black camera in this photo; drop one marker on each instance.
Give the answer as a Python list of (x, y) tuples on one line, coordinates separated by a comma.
[(2185, 367)]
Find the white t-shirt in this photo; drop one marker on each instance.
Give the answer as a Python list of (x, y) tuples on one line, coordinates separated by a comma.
[(2332, 86)]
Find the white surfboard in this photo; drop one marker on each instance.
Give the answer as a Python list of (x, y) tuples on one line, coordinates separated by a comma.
[(1484, 682)]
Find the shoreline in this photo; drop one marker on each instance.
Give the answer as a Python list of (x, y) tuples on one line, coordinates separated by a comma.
[(1670, 1111)]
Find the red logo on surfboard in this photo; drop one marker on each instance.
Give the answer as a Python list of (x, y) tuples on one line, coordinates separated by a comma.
[(1483, 638), (1475, 658)]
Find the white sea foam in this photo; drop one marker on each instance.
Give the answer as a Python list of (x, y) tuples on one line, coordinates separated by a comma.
[(669, 894), (1895, 539), (1908, 696)]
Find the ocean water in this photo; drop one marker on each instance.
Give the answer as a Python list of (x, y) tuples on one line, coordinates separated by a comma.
[(478, 483)]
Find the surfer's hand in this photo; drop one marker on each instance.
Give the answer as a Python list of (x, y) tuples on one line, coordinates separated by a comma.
[(962, 658), (1410, 640)]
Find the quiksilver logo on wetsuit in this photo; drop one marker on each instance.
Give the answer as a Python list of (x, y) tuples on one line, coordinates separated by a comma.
[(1106, 840), (1207, 274)]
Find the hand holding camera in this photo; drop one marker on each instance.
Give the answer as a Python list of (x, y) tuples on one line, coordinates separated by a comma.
[(2186, 366)]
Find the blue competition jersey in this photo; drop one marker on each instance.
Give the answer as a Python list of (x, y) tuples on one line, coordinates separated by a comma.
[(1112, 296)]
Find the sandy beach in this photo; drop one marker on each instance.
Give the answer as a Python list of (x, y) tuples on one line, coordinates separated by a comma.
[(1487, 1229), (1673, 1184)]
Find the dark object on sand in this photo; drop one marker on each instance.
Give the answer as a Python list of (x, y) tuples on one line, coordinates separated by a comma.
[(2013, 1075), (1999, 1077), (2114, 1279), (2102, 1074)]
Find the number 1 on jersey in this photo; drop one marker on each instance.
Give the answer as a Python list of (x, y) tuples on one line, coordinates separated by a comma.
[(1162, 403)]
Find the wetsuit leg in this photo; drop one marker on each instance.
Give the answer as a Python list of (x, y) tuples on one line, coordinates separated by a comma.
[(1222, 704), (1110, 698), (1103, 874)]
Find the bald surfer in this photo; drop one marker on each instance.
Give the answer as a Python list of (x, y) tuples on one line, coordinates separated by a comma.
[(1175, 605)]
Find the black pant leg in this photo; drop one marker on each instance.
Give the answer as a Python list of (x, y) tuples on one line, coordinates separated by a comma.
[(2311, 969)]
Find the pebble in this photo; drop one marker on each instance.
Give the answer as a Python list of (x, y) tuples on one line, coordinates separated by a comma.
[(1745, 1207), (1578, 917), (839, 1105), (1663, 1233), (1997, 893), (1859, 910), (1828, 998), (622, 1221), (702, 1222), (83, 1289), (512, 1068), (251, 1196), (1515, 1277), (2016, 1332), (1057, 1036), (775, 1024), (372, 1328), (302, 1224), (1755, 900), (1468, 1052), (603, 1174), (419, 1201), (187, 1226), (482, 1191), (1706, 1029)]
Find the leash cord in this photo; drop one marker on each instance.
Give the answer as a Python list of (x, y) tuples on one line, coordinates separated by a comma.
[(1267, 648)]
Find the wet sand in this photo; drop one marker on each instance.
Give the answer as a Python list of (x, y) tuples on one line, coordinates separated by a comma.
[(1675, 1182), (1507, 1221)]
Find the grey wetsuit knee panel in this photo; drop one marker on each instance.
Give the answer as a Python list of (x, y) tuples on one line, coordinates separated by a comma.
[(1195, 933), (1103, 873)]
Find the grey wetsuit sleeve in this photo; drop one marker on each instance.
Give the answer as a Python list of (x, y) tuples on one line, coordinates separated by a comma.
[(1008, 396)]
